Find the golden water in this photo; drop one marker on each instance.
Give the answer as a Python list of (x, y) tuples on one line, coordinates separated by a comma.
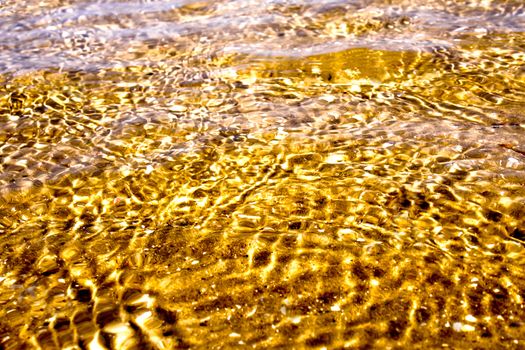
[(262, 174)]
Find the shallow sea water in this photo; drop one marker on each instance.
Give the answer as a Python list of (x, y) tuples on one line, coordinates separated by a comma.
[(273, 174)]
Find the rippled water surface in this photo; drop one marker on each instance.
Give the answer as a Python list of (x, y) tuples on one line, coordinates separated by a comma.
[(262, 174)]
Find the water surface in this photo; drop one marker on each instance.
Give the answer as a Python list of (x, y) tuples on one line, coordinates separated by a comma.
[(262, 174)]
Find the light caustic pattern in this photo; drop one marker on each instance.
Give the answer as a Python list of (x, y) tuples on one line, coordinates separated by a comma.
[(262, 174)]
